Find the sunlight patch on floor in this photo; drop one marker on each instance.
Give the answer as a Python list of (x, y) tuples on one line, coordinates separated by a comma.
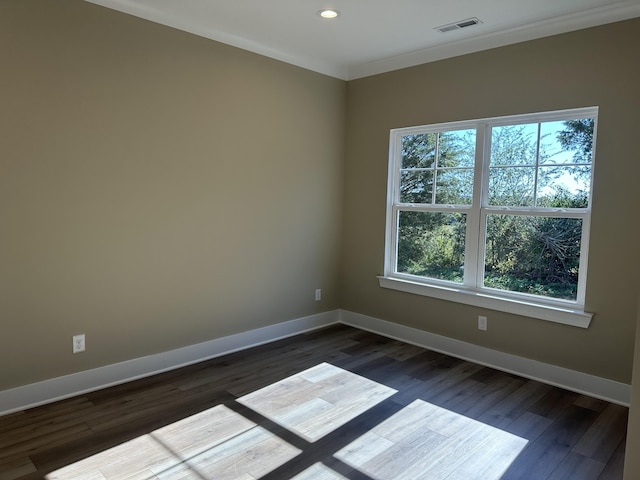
[(420, 442), (423, 441), (317, 401), (216, 443), (318, 471)]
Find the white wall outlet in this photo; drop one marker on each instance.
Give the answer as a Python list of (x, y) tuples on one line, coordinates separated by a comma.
[(78, 343), (482, 323), (318, 294)]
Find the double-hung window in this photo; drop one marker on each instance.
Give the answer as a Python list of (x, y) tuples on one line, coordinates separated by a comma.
[(494, 212)]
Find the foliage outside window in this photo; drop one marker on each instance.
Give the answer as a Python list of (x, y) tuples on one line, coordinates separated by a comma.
[(497, 205)]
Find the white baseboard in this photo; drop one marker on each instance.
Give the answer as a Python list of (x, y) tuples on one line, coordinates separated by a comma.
[(59, 388), (598, 387)]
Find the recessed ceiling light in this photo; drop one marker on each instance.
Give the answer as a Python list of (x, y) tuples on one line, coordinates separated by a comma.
[(328, 13)]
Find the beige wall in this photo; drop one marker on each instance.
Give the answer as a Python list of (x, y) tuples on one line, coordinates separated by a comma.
[(157, 189), (632, 462), (590, 67)]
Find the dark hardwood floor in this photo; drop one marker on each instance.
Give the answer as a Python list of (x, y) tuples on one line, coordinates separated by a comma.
[(565, 435)]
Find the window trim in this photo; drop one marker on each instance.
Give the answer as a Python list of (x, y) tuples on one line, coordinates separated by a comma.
[(554, 310)]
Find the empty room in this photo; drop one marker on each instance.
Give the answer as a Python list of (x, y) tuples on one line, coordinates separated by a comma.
[(319, 240)]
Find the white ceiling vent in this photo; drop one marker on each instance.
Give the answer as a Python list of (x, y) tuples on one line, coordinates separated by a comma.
[(469, 22)]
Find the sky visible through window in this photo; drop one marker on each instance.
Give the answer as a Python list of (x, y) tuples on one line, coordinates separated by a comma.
[(553, 152)]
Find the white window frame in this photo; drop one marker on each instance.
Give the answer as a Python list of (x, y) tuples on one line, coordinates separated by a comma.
[(471, 292)]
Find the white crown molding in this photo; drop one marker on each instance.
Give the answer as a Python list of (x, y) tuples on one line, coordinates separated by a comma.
[(158, 16), (598, 387), (588, 18), (563, 24)]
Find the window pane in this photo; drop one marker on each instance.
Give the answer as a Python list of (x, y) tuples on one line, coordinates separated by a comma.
[(535, 255), (431, 244), (569, 141), (514, 145), (419, 151), (511, 187), (564, 187), (416, 186), (457, 149), (454, 187)]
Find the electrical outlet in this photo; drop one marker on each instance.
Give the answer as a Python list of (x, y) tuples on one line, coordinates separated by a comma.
[(318, 294), (78, 343), (482, 323)]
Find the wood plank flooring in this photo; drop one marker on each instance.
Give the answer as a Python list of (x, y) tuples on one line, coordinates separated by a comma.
[(334, 404)]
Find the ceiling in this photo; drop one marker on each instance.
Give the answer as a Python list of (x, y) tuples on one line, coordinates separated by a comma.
[(373, 36)]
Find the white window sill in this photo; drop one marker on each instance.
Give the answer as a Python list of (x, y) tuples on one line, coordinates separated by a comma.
[(551, 313)]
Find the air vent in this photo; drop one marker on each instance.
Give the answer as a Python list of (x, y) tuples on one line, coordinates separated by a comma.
[(469, 22)]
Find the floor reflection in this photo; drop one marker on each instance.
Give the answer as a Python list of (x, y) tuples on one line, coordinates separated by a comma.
[(317, 401), (423, 441)]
